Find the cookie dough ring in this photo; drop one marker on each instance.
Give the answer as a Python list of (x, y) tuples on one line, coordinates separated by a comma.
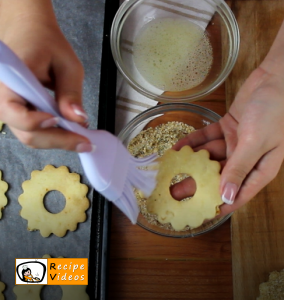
[(2, 288), (28, 291), (3, 198), (32, 201), (206, 200)]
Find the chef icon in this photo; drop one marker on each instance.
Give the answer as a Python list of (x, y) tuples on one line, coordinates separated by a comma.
[(27, 275), (31, 271)]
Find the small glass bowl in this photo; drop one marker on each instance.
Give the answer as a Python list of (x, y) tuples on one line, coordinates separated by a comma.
[(221, 29), (188, 113)]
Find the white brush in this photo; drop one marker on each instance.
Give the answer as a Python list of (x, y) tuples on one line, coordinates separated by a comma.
[(111, 170)]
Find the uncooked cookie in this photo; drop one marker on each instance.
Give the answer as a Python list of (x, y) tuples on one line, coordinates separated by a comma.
[(3, 198), (2, 288), (32, 201), (204, 205)]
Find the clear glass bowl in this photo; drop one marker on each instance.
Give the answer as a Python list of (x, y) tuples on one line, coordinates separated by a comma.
[(221, 29), (188, 113)]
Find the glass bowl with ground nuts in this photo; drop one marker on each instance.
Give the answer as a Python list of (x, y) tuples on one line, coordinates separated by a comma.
[(154, 131)]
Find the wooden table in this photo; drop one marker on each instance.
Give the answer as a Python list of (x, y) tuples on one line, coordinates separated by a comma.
[(257, 227)]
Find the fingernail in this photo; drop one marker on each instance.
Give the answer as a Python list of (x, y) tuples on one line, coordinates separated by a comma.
[(84, 147), (229, 193), (78, 110), (49, 122), (85, 124)]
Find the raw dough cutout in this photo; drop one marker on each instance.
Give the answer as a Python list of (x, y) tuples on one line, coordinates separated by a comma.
[(3, 198), (32, 201), (206, 200)]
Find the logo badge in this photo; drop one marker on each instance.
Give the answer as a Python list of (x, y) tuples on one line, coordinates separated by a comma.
[(31, 271)]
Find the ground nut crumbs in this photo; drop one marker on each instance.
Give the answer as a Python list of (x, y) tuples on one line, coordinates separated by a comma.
[(158, 140)]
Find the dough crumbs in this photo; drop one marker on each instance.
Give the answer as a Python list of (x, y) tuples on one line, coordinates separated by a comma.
[(273, 289)]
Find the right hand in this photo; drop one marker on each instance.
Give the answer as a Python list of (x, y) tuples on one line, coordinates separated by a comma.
[(30, 29), (248, 141)]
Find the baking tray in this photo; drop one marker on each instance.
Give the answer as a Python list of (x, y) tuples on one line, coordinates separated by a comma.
[(86, 25), (101, 217)]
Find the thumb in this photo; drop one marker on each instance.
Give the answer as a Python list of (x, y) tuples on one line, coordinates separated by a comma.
[(69, 75), (238, 166)]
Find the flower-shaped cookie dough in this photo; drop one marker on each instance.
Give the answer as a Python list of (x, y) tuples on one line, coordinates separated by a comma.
[(28, 291), (3, 198), (2, 288), (32, 201), (206, 200)]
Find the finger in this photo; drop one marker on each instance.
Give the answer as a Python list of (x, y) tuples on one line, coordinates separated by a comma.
[(187, 187), (69, 75), (238, 166), (30, 126), (265, 171), (201, 136), (54, 138), (183, 189), (229, 126), (17, 113), (216, 149), (248, 152)]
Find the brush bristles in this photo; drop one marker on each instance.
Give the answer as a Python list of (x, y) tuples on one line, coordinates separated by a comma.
[(146, 161), (127, 203), (143, 180)]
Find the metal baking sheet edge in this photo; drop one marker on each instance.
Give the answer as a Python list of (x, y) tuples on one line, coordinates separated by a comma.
[(101, 217)]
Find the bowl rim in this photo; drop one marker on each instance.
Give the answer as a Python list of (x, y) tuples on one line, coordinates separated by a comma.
[(180, 236), (155, 111), (122, 13), (165, 107)]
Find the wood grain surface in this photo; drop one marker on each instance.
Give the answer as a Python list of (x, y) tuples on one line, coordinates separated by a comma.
[(258, 227)]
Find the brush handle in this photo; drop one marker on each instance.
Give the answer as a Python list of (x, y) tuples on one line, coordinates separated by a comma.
[(98, 166)]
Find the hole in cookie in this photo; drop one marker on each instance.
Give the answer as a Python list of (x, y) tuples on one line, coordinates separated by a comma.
[(54, 202), (182, 187), (51, 292)]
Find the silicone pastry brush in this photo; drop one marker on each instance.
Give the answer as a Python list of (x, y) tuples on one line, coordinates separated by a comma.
[(111, 170)]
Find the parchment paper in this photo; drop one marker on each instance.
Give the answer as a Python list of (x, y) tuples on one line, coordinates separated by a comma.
[(82, 24)]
